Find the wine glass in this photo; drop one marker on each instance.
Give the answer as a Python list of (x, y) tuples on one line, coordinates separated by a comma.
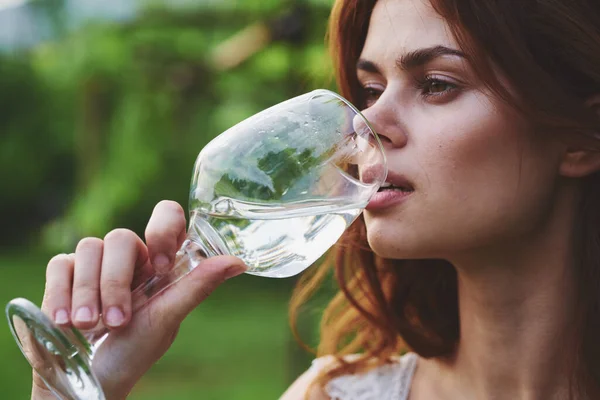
[(276, 190)]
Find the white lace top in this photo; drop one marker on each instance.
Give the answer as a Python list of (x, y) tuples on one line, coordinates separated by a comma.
[(387, 382)]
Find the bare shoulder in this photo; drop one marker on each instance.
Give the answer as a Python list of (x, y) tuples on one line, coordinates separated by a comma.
[(299, 390)]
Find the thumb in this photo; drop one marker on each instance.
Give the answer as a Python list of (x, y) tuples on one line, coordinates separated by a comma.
[(181, 298)]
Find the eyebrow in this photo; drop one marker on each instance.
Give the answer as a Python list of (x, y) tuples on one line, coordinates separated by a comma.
[(413, 59)]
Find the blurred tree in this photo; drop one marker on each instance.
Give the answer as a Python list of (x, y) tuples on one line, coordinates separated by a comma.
[(36, 157), (120, 110), (106, 119)]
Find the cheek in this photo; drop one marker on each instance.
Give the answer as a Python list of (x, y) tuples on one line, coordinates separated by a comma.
[(481, 149), (472, 163), (492, 178), (480, 178)]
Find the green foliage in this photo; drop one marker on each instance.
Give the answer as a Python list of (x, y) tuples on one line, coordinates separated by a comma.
[(109, 119), (103, 122), (283, 168), (286, 167)]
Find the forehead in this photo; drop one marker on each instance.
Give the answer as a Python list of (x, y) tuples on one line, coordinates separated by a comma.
[(401, 26)]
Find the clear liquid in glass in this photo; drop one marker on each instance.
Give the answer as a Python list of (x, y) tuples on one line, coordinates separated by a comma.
[(274, 240)]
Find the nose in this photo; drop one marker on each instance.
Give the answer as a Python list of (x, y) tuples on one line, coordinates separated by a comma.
[(385, 119)]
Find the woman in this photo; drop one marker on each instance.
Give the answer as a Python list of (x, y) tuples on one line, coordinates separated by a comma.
[(484, 253)]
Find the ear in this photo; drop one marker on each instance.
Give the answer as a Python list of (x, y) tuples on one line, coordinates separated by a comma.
[(582, 155)]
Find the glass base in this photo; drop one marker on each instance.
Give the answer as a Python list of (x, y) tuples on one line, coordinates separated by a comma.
[(60, 356)]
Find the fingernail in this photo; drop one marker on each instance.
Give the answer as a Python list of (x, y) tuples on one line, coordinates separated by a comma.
[(235, 270), (114, 317), (161, 261), (83, 314), (61, 317)]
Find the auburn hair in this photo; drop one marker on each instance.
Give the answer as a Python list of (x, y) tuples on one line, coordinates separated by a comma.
[(549, 51)]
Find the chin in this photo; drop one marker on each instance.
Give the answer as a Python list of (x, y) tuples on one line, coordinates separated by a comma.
[(390, 245), (399, 244)]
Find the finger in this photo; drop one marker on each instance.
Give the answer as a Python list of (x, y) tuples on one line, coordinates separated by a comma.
[(86, 283), (59, 281), (177, 302), (165, 233), (124, 252)]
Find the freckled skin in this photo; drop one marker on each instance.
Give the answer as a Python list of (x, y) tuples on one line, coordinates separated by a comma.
[(481, 175)]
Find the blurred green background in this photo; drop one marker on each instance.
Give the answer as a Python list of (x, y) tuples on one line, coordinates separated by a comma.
[(104, 105)]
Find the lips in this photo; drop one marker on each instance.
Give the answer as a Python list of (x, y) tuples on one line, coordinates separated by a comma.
[(395, 190), (373, 174), (397, 182)]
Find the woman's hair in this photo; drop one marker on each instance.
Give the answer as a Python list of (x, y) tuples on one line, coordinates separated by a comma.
[(549, 52)]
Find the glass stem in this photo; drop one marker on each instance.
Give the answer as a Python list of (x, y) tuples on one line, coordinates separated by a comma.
[(192, 252)]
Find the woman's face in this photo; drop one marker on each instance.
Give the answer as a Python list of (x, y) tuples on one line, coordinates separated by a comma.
[(478, 173)]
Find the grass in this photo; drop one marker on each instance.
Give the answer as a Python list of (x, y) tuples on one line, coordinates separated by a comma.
[(236, 345)]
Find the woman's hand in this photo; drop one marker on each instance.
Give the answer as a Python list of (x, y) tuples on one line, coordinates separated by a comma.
[(95, 283)]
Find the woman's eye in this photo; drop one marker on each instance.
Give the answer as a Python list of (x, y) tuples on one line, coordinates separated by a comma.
[(431, 86), (371, 95), (438, 87)]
